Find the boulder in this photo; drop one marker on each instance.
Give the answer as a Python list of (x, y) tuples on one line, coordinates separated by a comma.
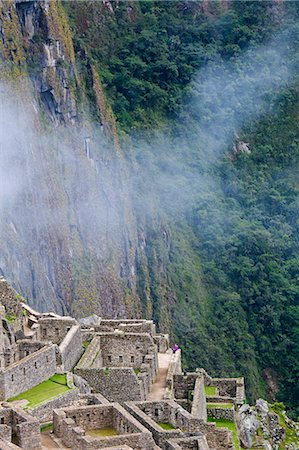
[(248, 425), (262, 407)]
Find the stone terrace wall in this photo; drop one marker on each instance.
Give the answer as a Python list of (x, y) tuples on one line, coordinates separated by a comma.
[(221, 413), (71, 348), (55, 329), (28, 372), (116, 384)]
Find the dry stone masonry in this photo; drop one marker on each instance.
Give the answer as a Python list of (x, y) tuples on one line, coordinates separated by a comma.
[(124, 388)]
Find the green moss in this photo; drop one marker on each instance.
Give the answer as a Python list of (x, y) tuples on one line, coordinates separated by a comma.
[(46, 390), (166, 426), (223, 423), (107, 371), (137, 371), (210, 390)]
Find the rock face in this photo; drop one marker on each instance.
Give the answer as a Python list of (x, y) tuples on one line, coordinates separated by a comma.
[(69, 236), (248, 424)]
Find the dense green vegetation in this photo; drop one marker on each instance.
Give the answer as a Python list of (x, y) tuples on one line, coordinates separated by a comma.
[(228, 253)]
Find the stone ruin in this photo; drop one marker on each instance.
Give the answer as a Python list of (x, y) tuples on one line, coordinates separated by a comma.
[(125, 387)]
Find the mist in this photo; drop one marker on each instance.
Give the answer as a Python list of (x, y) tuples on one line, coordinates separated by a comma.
[(63, 208)]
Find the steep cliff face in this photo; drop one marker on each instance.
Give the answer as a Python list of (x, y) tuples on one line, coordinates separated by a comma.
[(69, 238)]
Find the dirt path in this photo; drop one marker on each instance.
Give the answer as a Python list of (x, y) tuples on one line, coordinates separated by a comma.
[(158, 388)]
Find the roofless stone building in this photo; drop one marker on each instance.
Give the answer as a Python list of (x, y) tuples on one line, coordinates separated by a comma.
[(103, 384)]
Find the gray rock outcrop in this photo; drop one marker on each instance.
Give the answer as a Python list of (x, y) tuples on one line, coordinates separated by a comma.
[(248, 425)]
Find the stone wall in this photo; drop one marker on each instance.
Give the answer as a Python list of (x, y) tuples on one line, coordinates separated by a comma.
[(71, 348), (167, 411), (126, 349), (199, 404), (162, 342), (24, 428), (160, 435), (28, 372), (191, 443), (55, 329), (175, 368), (71, 425), (220, 413), (227, 387), (117, 385)]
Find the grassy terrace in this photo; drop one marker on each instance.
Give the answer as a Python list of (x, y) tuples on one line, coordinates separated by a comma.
[(102, 432), (166, 426), (220, 405), (230, 426), (210, 391), (46, 390)]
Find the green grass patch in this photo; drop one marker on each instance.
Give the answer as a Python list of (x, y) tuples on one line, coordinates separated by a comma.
[(223, 423), (220, 405), (210, 391), (107, 371), (46, 427), (102, 432), (291, 437), (137, 371), (10, 318), (85, 344), (166, 426), (46, 390)]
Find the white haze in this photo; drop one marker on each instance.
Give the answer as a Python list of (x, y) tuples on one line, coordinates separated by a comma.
[(44, 173)]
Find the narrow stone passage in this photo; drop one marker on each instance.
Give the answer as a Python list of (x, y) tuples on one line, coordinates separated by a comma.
[(159, 386)]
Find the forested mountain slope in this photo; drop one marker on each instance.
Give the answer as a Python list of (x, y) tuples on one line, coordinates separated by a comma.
[(199, 100)]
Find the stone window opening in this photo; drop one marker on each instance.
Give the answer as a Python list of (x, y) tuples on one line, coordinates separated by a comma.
[(132, 359), (120, 358), (109, 358), (35, 365), (143, 359), (57, 331), (47, 358), (24, 371), (2, 420), (156, 412), (12, 378)]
